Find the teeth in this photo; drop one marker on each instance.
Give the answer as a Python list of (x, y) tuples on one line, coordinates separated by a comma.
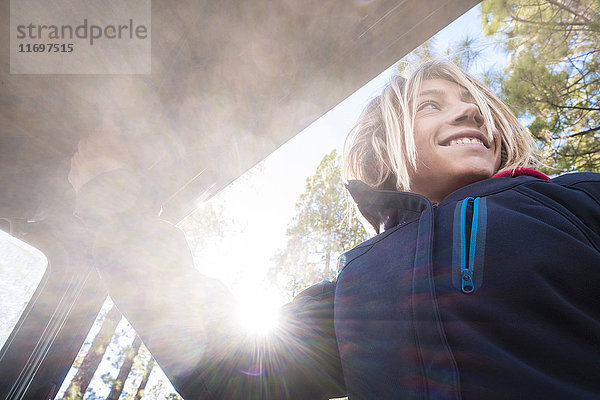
[(465, 140)]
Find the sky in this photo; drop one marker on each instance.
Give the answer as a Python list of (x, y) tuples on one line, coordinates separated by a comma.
[(260, 204)]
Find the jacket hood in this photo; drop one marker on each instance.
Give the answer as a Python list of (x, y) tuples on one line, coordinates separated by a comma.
[(384, 209)]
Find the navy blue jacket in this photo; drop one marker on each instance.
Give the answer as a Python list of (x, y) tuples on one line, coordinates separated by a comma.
[(492, 294)]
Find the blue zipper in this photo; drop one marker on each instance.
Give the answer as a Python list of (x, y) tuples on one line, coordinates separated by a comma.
[(467, 268)]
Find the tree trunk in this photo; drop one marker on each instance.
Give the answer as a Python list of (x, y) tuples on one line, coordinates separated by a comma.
[(327, 274), (140, 391), (89, 365), (117, 386)]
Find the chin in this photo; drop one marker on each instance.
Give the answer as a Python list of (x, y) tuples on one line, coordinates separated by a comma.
[(473, 176)]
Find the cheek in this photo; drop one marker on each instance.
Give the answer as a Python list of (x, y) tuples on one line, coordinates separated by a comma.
[(422, 140)]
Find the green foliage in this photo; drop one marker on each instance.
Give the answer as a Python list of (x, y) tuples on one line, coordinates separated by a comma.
[(553, 78), (320, 231)]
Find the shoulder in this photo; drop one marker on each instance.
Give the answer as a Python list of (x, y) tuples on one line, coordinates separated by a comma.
[(315, 301), (577, 177), (587, 182), (310, 310), (581, 189), (317, 291), (573, 197)]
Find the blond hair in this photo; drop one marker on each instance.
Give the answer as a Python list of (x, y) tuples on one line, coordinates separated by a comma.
[(380, 148)]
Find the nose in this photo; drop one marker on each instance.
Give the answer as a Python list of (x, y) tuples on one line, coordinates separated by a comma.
[(466, 112)]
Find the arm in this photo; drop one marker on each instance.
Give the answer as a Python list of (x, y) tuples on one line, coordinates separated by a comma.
[(186, 321)]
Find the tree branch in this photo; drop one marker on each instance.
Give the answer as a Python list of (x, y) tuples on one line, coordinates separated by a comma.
[(581, 133), (562, 4), (574, 107)]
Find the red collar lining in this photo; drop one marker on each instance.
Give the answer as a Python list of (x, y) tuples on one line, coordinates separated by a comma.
[(522, 171)]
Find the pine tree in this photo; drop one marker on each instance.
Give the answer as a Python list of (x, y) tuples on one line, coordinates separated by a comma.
[(142, 386), (320, 231), (119, 383), (553, 78), (80, 383)]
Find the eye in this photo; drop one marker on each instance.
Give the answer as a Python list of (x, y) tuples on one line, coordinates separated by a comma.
[(428, 105)]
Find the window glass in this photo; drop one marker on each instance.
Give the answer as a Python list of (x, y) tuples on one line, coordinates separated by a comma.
[(113, 363), (22, 268)]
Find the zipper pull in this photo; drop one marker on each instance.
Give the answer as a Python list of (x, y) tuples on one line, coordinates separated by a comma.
[(467, 280)]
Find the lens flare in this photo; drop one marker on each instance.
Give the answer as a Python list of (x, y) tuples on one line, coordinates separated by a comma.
[(258, 314)]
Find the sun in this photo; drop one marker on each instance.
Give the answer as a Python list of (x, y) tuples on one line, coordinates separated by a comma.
[(258, 313)]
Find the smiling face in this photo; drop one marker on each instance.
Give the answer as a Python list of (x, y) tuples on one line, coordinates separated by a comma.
[(452, 146)]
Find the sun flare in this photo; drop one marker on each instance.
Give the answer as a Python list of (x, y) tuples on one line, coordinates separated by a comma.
[(258, 314)]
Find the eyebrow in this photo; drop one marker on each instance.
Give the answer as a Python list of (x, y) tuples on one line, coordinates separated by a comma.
[(432, 91), (464, 94)]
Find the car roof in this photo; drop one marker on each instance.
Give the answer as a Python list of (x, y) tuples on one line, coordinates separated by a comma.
[(231, 81)]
